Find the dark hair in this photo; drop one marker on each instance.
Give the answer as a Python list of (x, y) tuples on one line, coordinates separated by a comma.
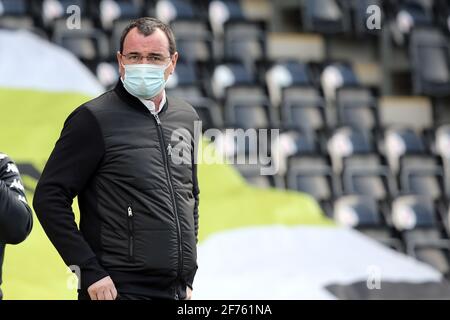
[(147, 26)]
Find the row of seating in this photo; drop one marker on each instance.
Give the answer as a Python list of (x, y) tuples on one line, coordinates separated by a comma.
[(102, 22), (390, 182), (404, 168), (224, 34), (322, 16), (410, 215), (350, 17)]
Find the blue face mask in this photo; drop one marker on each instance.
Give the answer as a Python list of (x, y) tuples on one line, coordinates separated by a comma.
[(144, 81)]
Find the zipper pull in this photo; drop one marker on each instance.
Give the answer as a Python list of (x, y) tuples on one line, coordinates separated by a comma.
[(169, 150), (130, 212), (157, 118)]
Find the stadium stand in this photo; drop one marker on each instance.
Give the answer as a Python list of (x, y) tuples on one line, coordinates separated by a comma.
[(363, 113)]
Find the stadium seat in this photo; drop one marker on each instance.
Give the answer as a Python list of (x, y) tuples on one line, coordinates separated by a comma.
[(291, 144), (229, 75), (335, 76), (89, 45), (346, 142), (416, 218), (295, 143), (357, 211), (410, 14), (326, 16), (246, 110), (14, 7), (245, 41), (313, 175), (357, 108), (118, 10), (236, 36), (422, 175), (170, 10), (194, 40), (191, 29), (220, 12), (367, 175), (364, 214), (245, 102), (282, 75), (303, 109), (15, 14), (429, 53), (400, 142)]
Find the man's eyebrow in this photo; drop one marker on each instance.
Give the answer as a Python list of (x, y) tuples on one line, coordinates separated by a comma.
[(149, 54), (156, 54), (133, 52)]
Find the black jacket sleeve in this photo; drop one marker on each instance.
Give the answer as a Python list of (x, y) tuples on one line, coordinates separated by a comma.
[(16, 218), (195, 192), (72, 163)]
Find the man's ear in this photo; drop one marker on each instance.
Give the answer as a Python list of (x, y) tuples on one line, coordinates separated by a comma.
[(119, 62), (174, 62)]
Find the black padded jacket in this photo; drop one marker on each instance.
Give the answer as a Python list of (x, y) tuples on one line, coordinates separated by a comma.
[(16, 219), (138, 204)]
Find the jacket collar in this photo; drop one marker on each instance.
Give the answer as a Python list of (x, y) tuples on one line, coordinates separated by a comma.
[(134, 102)]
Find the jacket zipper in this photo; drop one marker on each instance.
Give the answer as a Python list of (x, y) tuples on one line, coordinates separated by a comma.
[(172, 193), (130, 216)]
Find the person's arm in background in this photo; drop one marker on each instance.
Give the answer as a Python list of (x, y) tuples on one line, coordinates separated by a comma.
[(73, 161), (16, 219)]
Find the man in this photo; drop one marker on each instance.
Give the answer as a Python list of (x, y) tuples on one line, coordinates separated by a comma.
[(16, 218), (138, 207)]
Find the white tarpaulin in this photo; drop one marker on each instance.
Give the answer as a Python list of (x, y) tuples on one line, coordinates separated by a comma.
[(30, 62), (297, 263)]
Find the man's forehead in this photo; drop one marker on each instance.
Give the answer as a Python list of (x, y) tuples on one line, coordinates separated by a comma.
[(156, 42)]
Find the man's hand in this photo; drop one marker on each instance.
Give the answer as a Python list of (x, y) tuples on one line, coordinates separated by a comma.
[(188, 293), (103, 289)]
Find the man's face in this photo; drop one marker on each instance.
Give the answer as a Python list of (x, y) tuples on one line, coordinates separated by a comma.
[(155, 45)]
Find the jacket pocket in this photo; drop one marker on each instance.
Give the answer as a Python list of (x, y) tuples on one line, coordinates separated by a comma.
[(130, 223)]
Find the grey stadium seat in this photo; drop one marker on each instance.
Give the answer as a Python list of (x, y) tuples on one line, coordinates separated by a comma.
[(415, 217)]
